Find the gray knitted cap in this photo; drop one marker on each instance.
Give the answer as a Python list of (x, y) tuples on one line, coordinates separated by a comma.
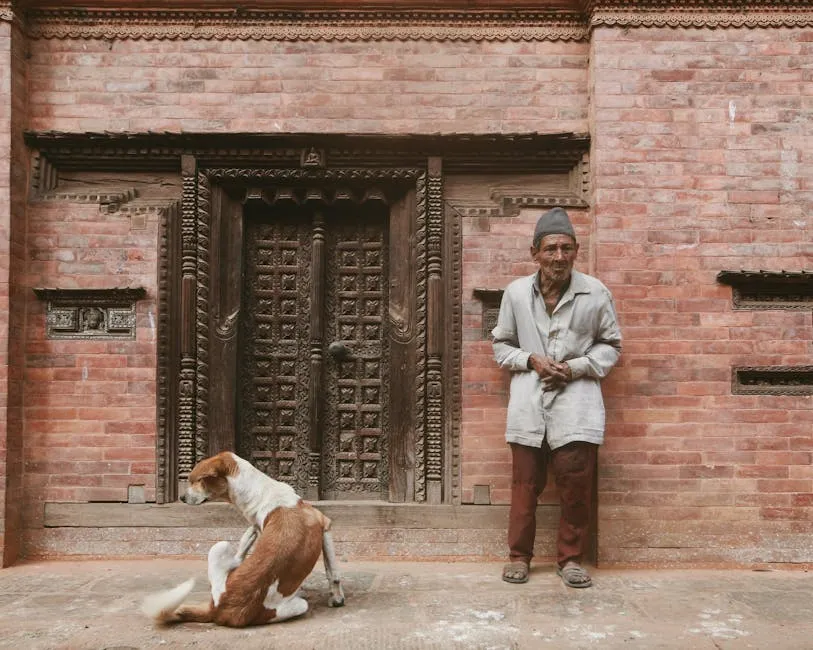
[(553, 222)]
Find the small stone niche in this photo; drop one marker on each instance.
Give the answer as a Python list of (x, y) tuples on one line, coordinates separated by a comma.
[(90, 313), (490, 300)]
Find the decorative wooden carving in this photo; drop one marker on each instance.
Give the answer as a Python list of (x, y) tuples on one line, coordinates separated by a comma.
[(277, 358), (420, 336), (699, 13), (91, 313), (453, 357), (773, 380), (434, 363), (509, 206), (168, 354), (313, 157), (317, 314), (769, 290), (387, 24), (338, 274), (308, 25), (189, 264), (109, 199), (462, 153), (358, 375), (270, 170), (490, 299), (44, 176), (202, 316)]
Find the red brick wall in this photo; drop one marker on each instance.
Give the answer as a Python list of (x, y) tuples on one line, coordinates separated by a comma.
[(702, 162), (383, 87), (266, 86), (5, 235), (89, 405)]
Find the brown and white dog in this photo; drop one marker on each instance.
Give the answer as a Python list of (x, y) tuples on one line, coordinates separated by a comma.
[(261, 588)]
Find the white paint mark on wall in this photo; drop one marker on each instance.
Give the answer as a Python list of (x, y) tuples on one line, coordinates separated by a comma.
[(84, 373), (151, 318), (732, 111)]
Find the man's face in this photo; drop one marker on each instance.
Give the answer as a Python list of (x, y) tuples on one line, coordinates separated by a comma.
[(556, 255)]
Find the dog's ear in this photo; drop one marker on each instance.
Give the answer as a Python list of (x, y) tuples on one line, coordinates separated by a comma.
[(207, 468), (218, 466)]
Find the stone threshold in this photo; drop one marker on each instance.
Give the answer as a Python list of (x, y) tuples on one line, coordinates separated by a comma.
[(364, 514)]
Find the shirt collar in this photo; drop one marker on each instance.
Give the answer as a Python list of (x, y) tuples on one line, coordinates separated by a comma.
[(577, 284)]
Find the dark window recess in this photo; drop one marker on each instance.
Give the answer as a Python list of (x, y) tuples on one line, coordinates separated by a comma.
[(773, 380), (769, 290), (490, 299)]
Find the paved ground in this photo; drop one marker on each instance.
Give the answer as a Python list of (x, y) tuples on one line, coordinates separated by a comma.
[(94, 604)]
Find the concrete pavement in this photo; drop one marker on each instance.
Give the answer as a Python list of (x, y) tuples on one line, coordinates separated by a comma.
[(94, 604)]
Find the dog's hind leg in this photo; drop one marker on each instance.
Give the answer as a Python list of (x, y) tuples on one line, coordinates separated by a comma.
[(222, 561), (332, 571), (290, 608)]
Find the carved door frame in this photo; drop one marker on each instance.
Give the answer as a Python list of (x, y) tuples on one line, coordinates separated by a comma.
[(206, 319), (180, 401)]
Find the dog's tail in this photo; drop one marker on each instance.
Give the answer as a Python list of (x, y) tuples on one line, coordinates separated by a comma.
[(163, 607)]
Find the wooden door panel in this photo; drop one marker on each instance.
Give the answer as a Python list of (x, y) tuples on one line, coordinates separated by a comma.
[(275, 358), (355, 443), (347, 456)]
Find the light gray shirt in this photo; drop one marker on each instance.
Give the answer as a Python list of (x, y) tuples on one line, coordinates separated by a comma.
[(582, 331)]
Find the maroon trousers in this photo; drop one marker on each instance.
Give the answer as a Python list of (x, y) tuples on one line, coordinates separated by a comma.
[(573, 468)]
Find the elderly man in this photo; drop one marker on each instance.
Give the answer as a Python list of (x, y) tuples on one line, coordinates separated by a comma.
[(558, 334)]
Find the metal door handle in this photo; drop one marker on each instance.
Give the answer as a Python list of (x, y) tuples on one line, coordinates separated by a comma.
[(339, 351)]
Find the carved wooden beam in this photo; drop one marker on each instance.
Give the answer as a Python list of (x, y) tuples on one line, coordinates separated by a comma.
[(91, 313), (773, 380), (769, 289), (304, 5)]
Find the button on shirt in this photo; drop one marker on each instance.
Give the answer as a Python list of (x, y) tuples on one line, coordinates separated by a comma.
[(582, 331)]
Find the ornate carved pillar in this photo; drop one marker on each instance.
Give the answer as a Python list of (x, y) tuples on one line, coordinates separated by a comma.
[(189, 256), (434, 364), (317, 358)]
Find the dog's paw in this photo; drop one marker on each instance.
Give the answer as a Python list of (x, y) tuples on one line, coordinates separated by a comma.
[(336, 601)]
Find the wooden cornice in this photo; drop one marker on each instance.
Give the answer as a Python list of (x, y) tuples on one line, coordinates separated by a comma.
[(306, 5), (330, 21), (709, 14), (163, 151), (386, 20)]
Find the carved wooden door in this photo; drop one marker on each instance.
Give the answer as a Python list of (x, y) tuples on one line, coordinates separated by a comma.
[(314, 353)]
